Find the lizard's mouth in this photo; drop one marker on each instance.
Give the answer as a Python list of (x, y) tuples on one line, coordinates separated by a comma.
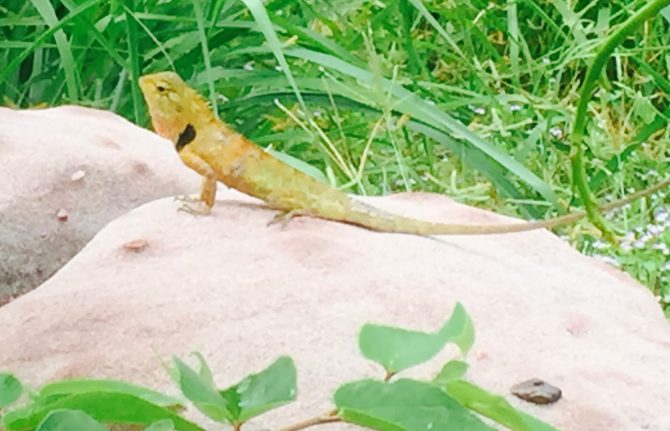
[(144, 82)]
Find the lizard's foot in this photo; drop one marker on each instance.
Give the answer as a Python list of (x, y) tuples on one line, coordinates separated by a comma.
[(284, 217), (198, 208)]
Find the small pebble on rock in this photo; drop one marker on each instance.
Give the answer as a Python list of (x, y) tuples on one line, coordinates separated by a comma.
[(536, 391)]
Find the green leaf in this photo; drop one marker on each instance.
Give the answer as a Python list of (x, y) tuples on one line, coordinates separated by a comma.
[(493, 406), (10, 389), (69, 420), (397, 349), (108, 407), (452, 370), (205, 372), (162, 425), (271, 388), (202, 393), (404, 405), (644, 109), (300, 165), (78, 386)]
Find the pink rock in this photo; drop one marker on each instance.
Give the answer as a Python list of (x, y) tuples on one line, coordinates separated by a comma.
[(158, 281), (66, 172)]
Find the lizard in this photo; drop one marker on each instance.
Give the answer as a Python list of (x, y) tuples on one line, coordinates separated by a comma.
[(213, 149)]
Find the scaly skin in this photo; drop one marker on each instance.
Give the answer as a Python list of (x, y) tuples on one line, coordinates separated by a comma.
[(208, 146)]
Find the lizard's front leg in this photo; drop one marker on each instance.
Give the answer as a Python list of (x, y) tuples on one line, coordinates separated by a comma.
[(208, 188)]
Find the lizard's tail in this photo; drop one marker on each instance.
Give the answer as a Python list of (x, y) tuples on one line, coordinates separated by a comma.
[(373, 219)]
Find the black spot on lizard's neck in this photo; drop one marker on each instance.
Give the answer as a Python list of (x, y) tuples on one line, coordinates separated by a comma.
[(185, 137)]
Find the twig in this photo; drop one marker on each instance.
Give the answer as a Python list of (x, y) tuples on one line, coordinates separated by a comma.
[(317, 420)]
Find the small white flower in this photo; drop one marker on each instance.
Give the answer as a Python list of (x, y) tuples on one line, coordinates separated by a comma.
[(662, 247), (514, 107), (654, 230), (556, 132), (600, 245), (608, 259), (249, 65)]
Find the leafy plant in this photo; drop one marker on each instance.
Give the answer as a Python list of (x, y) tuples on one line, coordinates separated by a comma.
[(445, 402)]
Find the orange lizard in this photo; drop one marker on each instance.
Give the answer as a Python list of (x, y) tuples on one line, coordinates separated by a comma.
[(218, 153)]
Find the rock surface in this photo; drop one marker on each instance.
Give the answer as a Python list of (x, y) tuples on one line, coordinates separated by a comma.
[(66, 172), (160, 281)]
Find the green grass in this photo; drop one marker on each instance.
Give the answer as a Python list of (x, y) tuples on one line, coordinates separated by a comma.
[(472, 99)]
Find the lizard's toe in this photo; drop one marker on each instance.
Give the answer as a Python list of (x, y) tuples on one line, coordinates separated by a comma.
[(282, 218), (197, 209)]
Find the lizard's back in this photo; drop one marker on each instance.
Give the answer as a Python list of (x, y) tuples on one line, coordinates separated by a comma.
[(243, 165)]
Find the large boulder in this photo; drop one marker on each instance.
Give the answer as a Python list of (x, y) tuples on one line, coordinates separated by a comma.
[(157, 282), (66, 172)]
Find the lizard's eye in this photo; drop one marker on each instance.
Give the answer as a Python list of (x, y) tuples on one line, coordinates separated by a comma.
[(160, 88)]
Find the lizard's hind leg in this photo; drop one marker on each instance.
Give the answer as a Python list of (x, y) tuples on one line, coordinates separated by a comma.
[(283, 217)]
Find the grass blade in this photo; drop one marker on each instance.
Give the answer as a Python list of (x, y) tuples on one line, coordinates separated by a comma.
[(134, 66), (200, 20), (265, 25), (46, 11)]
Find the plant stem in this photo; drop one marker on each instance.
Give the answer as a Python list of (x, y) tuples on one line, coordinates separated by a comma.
[(577, 135), (329, 417)]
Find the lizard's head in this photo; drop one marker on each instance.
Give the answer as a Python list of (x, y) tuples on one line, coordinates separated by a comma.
[(173, 105)]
